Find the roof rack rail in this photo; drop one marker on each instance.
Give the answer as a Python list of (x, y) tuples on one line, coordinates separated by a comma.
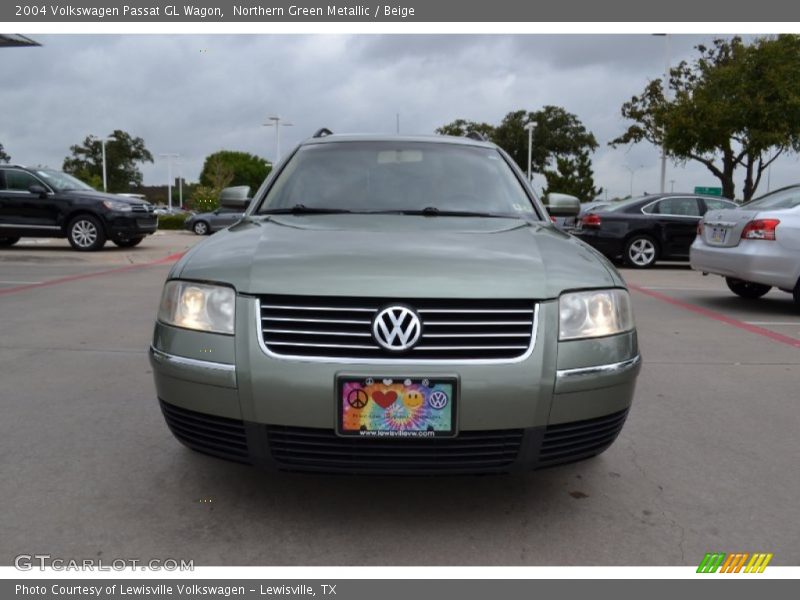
[(476, 135), (323, 132)]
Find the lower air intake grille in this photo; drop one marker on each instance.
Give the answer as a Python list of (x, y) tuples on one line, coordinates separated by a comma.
[(580, 439), (217, 436), (321, 449)]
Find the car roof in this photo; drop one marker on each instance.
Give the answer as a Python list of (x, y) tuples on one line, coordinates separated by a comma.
[(372, 137)]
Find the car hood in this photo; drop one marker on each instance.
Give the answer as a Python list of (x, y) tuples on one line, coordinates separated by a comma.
[(99, 196), (397, 256)]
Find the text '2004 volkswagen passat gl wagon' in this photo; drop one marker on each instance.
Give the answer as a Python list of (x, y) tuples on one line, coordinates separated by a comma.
[(395, 305)]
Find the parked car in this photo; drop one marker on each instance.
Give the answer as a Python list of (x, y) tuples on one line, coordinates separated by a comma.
[(569, 224), (234, 199), (644, 230), (398, 305), (48, 203), (755, 247)]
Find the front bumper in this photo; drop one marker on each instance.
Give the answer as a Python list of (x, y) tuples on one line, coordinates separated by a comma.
[(223, 395), (757, 261), (129, 225)]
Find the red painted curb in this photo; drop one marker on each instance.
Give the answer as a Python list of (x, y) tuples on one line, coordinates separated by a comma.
[(32, 286), (710, 314)]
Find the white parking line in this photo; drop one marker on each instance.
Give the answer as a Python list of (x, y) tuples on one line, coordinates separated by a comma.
[(3, 282), (791, 323), (692, 289)]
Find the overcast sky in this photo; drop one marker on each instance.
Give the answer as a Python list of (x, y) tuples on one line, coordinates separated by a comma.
[(194, 95)]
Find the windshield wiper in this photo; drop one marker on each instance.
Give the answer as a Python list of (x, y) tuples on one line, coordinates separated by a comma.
[(432, 211), (302, 209)]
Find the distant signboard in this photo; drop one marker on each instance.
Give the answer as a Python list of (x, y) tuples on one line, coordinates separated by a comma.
[(708, 191)]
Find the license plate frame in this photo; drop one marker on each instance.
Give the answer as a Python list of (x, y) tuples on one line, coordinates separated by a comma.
[(431, 413)]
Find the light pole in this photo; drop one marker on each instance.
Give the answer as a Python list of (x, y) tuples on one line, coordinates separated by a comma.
[(632, 170), (671, 186), (277, 123), (530, 127), (666, 93), (169, 157), (103, 141), (180, 184)]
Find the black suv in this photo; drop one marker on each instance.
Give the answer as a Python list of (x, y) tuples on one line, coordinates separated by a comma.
[(47, 203)]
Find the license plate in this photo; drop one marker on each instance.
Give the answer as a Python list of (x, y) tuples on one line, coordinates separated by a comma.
[(718, 234), (396, 407)]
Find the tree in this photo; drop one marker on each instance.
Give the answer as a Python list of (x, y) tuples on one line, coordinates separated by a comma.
[(561, 146), (124, 153), (227, 167), (736, 105), (4, 157)]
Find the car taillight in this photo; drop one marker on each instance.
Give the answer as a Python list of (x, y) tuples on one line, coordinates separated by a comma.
[(554, 220), (760, 229), (591, 220), (699, 228)]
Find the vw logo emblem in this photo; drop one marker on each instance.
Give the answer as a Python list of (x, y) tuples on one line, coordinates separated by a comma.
[(396, 328)]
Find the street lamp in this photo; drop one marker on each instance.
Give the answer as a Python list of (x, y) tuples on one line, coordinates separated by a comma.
[(666, 93), (632, 170), (169, 157), (530, 127), (277, 123), (103, 141)]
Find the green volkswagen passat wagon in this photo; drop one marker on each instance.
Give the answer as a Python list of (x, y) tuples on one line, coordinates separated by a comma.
[(395, 305)]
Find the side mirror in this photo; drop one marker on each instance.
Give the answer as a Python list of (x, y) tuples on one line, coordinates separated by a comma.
[(235, 197), (38, 190), (563, 205)]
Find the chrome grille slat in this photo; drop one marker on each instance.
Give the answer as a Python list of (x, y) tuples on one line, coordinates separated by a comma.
[(339, 329)]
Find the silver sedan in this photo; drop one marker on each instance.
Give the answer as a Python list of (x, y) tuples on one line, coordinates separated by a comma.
[(755, 247)]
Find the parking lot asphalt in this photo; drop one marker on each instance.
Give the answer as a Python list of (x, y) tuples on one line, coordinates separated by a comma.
[(706, 462)]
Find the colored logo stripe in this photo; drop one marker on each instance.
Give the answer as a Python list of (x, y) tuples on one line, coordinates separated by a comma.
[(734, 563)]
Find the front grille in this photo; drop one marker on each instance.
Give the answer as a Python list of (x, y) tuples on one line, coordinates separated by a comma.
[(580, 439), (322, 449), (142, 208), (452, 330), (209, 434)]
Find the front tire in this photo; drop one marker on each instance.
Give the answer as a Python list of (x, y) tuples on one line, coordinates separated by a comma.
[(748, 289), (85, 233), (201, 228), (129, 243), (641, 252), (7, 241)]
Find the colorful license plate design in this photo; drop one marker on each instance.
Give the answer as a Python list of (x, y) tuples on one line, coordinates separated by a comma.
[(396, 407)]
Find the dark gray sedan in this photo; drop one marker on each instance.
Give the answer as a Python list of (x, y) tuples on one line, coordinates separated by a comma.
[(210, 222)]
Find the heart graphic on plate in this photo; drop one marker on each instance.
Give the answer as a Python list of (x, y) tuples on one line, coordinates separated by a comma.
[(384, 399)]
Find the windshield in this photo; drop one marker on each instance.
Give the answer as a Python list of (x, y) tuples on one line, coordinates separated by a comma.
[(398, 177), (788, 198), (61, 182)]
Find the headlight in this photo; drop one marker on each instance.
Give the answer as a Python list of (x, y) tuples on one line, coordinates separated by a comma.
[(594, 314), (198, 306), (117, 205)]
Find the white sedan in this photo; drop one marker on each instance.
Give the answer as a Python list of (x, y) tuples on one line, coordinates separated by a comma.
[(755, 247)]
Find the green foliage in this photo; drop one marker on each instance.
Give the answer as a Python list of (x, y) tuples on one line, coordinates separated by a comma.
[(204, 199), (736, 105), (4, 157), (172, 221), (228, 168), (561, 146), (124, 153)]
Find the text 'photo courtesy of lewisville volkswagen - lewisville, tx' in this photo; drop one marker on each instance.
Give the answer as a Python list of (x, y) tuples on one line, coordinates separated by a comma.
[(418, 301)]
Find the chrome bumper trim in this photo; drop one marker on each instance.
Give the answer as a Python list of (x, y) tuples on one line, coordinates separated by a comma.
[(192, 369), (565, 375)]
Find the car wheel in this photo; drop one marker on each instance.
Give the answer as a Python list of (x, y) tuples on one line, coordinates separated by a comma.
[(200, 228), (7, 241), (129, 243), (641, 252), (747, 289), (85, 233)]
